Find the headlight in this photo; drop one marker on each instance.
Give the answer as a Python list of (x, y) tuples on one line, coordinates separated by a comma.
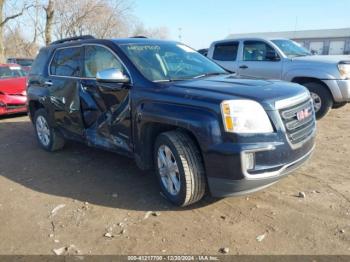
[(344, 69), (245, 117)]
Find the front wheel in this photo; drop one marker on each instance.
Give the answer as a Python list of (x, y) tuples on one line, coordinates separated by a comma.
[(179, 168), (339, 105), (322, 98)]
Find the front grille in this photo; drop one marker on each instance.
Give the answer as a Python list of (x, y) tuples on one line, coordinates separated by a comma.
[(299, 121), (15, 106)]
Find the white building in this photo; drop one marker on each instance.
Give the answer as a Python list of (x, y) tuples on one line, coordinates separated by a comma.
[(325, 41)]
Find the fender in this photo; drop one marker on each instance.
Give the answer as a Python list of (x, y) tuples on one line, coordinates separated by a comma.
[(311, 73), (306, 72), (152, 118)]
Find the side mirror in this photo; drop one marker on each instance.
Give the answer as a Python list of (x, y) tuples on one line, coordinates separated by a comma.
[(272, 56), (112, 75)]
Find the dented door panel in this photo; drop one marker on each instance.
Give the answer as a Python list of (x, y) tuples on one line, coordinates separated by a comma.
[(65, 101), (106, 112)]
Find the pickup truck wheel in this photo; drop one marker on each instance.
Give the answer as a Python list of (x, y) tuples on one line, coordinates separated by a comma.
[(48, 138), (322, 98), (179, 168)]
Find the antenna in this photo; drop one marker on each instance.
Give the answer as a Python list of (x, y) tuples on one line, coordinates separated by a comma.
[(180, 34)]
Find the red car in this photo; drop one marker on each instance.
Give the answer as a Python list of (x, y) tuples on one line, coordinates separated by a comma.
[(13, 96)]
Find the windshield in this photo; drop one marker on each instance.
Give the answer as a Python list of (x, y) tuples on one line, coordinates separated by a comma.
[(170, 61), (11, 72), (290, 48)]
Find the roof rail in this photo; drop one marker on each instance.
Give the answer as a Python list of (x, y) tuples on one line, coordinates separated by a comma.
[(76, 38)]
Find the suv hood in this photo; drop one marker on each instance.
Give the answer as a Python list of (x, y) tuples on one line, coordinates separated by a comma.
[(13, 86), (226, 87), (332, 59)]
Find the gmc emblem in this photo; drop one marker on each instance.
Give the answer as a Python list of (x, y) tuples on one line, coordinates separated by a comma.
[(303, 114)]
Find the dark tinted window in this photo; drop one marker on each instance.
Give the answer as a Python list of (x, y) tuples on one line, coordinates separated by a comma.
[(66, 62), (24, 62), (39, 63), (226, 51), (257, 51)]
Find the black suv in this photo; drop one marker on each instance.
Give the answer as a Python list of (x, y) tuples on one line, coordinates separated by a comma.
[(171, 109)]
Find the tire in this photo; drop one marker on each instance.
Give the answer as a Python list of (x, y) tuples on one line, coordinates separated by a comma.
[(323, 95), (54, 140), (339, 105), (189, 170)]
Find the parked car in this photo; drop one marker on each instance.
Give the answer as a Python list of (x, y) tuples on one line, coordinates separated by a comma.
[(25, 63), (13, 96), (172, 110), (326, 77)]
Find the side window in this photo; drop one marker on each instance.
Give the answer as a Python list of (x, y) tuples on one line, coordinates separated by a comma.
[(97, 58), (39, 62), (258, 51), (226, 51), (66, 62)]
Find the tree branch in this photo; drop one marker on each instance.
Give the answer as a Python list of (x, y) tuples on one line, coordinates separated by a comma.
[(2, 23)]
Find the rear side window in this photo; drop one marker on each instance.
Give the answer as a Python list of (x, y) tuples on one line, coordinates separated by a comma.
[(66, 62), (39, 63), (226, 51)]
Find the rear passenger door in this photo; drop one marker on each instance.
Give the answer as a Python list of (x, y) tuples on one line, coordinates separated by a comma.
[(225, 54), (260, 60), (64, 89)]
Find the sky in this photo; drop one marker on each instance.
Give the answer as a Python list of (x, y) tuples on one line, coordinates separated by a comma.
[(204, 21)]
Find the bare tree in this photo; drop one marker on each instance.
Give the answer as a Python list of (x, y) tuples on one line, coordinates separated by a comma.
[(101, 18), (50, 11), (16, 45), (156, 32), (4, 19)]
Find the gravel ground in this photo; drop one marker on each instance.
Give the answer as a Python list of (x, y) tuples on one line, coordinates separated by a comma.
[(88, 201)]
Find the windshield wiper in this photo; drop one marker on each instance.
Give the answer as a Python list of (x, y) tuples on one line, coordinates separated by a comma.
[(209, 74)]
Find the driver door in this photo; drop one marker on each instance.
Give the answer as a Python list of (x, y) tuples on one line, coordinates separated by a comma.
[(105, 106), (259, 60)]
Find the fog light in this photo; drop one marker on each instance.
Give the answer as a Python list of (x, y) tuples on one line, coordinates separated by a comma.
[(249, 161), (2, 104)]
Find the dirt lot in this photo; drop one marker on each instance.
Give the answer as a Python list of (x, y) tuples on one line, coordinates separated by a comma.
[(103, 192)]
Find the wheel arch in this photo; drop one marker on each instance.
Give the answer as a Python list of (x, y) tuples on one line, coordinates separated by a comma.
[(34, 106), (303, 80), (149, 133)]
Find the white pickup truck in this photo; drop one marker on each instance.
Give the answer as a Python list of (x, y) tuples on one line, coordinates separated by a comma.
[(326, 77)]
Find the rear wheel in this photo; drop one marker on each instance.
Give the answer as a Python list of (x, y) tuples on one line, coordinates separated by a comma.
[(322, 98), (48, 137), (179, 168)]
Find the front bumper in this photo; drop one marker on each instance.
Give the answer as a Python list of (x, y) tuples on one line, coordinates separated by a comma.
[(228, 174), (340, 89), (221, 187), (12, 104)]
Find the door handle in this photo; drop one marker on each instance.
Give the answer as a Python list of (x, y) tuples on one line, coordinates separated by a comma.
[(48, 83), (243, 67)]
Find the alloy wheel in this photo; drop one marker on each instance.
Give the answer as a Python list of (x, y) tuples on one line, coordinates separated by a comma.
[(43, 131), (168, 170), (317, 101)]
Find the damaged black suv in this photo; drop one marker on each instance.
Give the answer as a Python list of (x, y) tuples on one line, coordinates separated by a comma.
[(171, 109)]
